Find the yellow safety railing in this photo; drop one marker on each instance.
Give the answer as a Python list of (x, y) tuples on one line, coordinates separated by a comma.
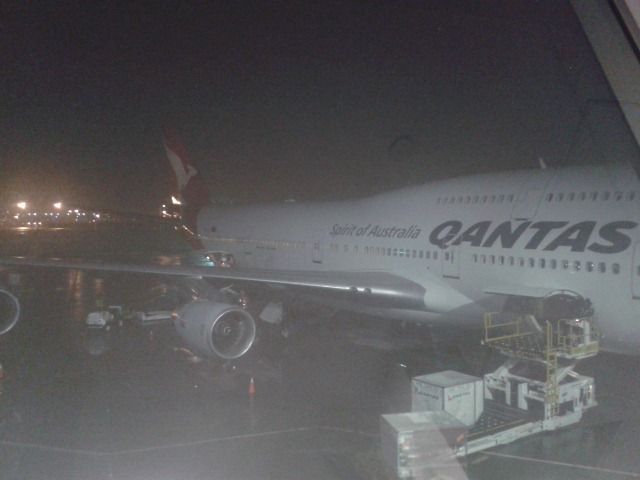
[(507, 330)]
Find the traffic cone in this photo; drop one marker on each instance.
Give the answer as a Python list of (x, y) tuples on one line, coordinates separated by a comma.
[(252, 387)]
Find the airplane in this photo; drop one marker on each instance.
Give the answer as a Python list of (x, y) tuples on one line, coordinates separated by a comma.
[(443, 253)]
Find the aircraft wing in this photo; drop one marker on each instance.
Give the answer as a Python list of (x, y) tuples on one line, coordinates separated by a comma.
[(369, 287)]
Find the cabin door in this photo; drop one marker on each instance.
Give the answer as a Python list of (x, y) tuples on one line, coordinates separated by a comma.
[(451, 262), (317, 252), (526, 205), (530, 194), (635, 273)]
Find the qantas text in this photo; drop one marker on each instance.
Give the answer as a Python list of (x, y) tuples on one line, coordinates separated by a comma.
[(611, 237)]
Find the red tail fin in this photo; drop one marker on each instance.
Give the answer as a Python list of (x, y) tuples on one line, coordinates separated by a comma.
[(193, 192)]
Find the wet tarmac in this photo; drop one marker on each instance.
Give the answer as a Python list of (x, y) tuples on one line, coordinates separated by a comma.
[(125, 404)]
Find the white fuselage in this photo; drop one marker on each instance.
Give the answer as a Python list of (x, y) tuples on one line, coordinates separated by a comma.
[(574, 228)]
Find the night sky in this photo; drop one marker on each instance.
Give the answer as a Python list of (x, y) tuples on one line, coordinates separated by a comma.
[(281, 100)]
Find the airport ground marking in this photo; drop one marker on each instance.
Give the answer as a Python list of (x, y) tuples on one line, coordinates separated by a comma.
[(49, 448), (133, 451)]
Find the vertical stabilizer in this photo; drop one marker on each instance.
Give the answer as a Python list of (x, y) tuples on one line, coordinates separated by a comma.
[(192, 190)]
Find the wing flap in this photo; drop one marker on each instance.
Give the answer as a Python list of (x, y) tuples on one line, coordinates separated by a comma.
[(524, 291)]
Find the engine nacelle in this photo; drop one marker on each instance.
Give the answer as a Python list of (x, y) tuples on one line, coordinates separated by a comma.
[(9, 311), (216, 329)]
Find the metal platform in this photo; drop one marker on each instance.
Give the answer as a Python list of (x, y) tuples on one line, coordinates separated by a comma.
[(522, 336), (534, 390), (496, 418)]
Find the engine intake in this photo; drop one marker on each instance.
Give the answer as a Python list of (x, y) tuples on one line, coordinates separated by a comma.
[(9, 311), (213, 328)]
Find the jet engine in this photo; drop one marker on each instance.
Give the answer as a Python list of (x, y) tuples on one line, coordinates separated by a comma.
[(9, 311), (216, 329)]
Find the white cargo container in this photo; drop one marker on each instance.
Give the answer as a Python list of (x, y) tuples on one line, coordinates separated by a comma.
[(456, 393), (422, 444)]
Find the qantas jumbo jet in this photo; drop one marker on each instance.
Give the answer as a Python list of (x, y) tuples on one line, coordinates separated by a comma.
[(446, 251), (442, 252)]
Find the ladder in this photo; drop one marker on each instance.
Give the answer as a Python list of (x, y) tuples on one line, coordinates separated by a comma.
[(551, 404)]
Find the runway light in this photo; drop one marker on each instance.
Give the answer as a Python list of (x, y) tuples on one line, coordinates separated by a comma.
[(21, 205)]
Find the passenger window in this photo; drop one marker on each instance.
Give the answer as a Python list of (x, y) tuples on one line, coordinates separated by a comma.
[(475, 258), (510, 198), (549, 197), (631, 196), (501, 259), (565, 264), (511, 261), (484, 258), (615, 268), (542, 263), (435, 255), (492, 259), (560, 197), (532, 262), (605, 196), (577, 266), (571, 197), (594, 196), (590, 266), (427, 254), (467, 199), (602, 267), (618, 196), (484, 199), (500, 198), (582, 197), (521, 261), (475, 199), (553, 263), (420, 254)]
